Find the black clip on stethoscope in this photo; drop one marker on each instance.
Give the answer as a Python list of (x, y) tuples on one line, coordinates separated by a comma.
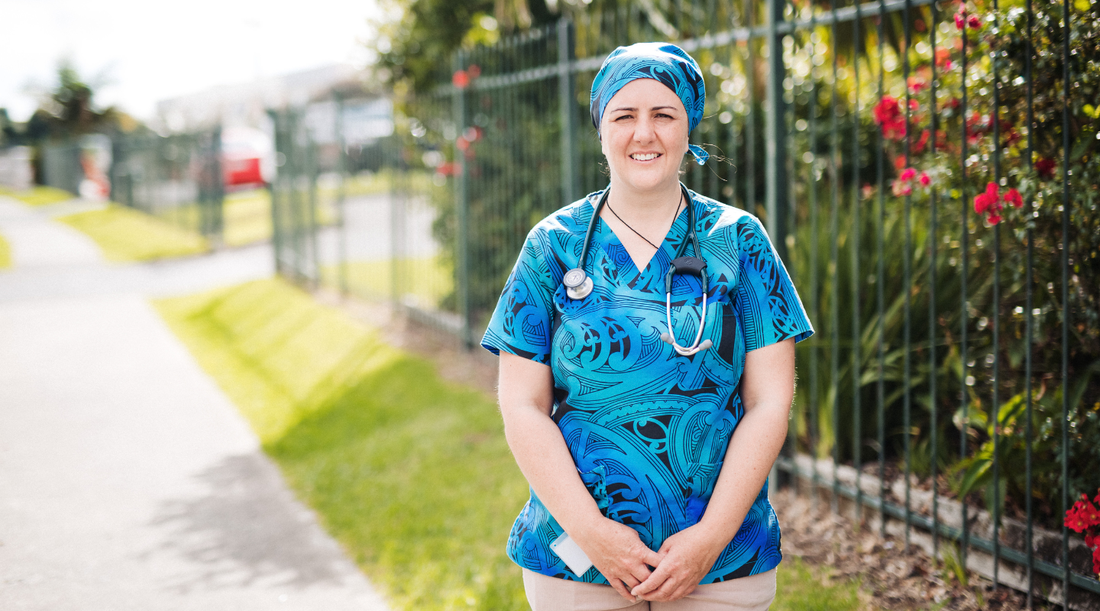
[(578, 285)]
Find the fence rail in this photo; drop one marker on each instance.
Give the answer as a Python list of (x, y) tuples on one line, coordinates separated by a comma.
[(905, 157)]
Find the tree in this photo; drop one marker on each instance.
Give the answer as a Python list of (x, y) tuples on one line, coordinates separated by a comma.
[(70, 109)]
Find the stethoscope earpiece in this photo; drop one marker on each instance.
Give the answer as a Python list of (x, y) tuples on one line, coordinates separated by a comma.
[(577, 283)]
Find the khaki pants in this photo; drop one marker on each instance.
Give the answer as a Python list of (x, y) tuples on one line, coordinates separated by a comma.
[(753, 593)]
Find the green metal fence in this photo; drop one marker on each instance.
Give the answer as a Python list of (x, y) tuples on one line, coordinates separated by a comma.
[(929, 173), (177, 178)]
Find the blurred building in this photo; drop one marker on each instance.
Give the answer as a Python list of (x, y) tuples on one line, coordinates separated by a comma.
[(246, 103)]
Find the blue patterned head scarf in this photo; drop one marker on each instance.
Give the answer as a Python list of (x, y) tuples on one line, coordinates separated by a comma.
[(661, 61)]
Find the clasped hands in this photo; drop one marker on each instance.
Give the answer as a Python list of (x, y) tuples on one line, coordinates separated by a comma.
[(639, 573)]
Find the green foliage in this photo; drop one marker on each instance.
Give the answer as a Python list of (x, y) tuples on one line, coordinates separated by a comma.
[(125, 234), (70, 109), (1046, 432)]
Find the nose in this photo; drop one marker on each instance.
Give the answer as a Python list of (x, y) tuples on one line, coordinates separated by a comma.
[(643, 129)]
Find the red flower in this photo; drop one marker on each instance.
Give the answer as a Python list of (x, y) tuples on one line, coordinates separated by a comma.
[(1012, 196), (901, 187), (960, 19), (1090, 514), (1091, 540), (899, 162), (1075, 521), (916, 84), (921, 142), (990, 202), (973, 22), (886, 110), (894, 130), (1096, 560), (925, 179), (943, 58), (1045, 167), (460, 79), (908, 174)]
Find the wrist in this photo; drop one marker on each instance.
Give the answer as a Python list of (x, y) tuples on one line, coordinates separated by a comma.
[(720, 531)]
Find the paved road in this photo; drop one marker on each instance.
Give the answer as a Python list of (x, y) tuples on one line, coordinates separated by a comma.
[(127, 479)]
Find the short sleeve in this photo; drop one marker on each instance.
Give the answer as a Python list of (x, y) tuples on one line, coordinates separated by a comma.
[(521, 322), (766, 298)]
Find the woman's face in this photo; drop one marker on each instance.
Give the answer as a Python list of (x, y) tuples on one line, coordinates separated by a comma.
[(644, 136)]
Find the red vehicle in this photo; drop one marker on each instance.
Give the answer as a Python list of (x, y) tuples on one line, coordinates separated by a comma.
[(248, 157)]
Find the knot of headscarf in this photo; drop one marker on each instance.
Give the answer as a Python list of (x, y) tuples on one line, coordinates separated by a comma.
[(663, 62)]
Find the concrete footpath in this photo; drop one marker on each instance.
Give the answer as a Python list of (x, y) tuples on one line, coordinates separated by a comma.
[(127, 478)]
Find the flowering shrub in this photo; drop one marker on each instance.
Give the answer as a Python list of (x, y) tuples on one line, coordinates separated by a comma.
[(1004, 158), (1085, 518)]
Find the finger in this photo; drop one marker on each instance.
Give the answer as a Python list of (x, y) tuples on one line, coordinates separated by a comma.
[(652, 558), (621, 589), (655, 580)]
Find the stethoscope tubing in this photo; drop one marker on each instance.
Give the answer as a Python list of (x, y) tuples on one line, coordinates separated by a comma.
[(578, 285)]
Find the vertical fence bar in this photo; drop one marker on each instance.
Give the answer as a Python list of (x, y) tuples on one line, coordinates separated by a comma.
[(569, 189), (341, 198), (857, 415), (1067, 30), (964, 318), (932, 236), (776, 143), (1028, 314), (834, 260), (462, 263), (815, 298), (750, 117), (996, 404), (880, 292), (907, 282)]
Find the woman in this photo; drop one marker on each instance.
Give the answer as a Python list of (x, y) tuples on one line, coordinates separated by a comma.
[(647, 457)]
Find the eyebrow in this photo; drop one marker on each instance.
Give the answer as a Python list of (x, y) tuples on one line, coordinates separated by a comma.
[(633, 109)]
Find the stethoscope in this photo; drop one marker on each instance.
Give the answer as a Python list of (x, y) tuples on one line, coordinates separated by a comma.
[(578, 285)]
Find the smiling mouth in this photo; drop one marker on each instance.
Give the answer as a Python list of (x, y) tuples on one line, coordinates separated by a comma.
[(645, 156)]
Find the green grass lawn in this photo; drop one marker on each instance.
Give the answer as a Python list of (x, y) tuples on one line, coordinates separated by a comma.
[(247, 217), (427, 279), (40, 196), (411, 474), (125, 234), (5, 253), (798, 588)]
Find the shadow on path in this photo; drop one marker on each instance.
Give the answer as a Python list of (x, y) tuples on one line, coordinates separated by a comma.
[(246, 529)]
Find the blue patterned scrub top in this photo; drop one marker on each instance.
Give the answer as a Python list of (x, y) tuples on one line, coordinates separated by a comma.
[(647, 428)]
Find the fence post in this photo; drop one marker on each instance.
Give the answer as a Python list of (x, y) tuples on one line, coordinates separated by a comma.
[(778, 193), (462, 204), (566, 100), (341, 197)]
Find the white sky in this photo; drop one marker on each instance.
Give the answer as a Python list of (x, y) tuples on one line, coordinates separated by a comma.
[(148, 50)]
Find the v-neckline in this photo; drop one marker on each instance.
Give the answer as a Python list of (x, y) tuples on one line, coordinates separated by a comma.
[(639, 270)]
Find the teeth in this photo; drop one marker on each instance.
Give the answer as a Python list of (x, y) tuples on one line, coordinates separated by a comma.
[(645, 156)]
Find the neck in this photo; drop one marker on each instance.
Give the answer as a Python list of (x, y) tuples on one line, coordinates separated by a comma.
[(657, 202)]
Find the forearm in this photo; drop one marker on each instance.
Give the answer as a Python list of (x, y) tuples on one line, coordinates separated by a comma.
[(752, 450), (545, 461)]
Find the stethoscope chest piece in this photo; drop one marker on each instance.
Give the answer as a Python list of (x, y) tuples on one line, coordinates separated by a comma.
[(577, 283)]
